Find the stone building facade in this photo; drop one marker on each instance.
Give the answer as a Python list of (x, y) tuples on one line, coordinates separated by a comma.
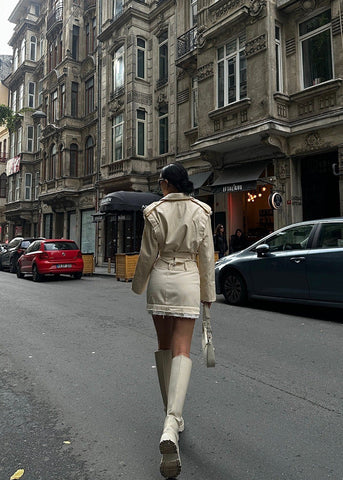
[(247, 94)]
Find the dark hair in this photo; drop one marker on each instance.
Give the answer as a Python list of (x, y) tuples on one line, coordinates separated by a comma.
[(218, 227), (177, 175)]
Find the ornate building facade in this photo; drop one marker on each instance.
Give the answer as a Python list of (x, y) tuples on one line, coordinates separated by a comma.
[(247, 94)]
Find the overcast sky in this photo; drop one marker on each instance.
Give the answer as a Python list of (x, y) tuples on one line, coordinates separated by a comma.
[(6, 28)]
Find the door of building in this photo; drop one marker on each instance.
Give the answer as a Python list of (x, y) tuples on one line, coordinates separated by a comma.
[(320, 187)]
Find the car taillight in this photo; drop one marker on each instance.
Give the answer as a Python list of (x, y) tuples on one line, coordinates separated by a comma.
[(44, 256), (79, 255)]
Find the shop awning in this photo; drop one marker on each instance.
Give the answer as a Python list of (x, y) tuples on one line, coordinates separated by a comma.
[(238, 178), (199, 179), (127, 201)]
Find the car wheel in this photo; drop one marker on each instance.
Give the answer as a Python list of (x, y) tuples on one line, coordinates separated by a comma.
[(77, 275), (19, 273), (36, 276), (13, 265), (234, 288)]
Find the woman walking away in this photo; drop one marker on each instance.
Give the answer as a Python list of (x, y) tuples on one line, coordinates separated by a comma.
[(220, 242), (177, 228)]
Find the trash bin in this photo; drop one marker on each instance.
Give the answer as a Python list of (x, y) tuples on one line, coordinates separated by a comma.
[(88, 263)]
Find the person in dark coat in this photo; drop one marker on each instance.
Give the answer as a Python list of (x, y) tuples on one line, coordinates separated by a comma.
[(220, 242), (238, 241)]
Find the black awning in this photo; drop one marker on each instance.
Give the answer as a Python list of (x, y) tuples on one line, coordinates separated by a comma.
[(127, 201), (199, 179), (238, 178)]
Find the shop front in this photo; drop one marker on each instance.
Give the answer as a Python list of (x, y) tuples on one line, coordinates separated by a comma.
[(123, 221), (243, 192)]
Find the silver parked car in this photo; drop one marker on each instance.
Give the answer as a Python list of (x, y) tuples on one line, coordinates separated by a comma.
[(301, 263)]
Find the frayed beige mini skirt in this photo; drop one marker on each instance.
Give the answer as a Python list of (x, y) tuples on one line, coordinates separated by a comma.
[(174, 287)]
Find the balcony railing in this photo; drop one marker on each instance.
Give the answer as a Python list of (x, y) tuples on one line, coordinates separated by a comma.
[(55, 16), (187, 42), (3, 157)]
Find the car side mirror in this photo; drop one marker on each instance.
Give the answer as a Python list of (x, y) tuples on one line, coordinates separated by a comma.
[(262, 249)]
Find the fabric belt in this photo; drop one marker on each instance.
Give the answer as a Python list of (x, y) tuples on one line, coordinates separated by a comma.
[(177, 259)]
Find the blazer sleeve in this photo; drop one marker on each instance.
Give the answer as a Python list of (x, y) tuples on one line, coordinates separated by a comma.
[(146, 259), (206, 265)]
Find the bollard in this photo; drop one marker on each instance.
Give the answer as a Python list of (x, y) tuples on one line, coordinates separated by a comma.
[(109, 265)]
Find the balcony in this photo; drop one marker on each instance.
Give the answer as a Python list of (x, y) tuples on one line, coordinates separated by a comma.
[(3, 157), (186, 47), (55, 17)]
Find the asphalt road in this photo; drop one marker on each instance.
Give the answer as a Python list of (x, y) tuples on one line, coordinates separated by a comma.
[(79, 396)]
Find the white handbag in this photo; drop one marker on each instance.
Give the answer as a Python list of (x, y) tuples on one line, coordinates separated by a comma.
[(207, 338)]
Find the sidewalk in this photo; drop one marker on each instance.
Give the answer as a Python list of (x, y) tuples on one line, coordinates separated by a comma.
[(103, 271)]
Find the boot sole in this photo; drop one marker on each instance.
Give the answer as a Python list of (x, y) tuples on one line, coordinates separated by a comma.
[(170, 465)]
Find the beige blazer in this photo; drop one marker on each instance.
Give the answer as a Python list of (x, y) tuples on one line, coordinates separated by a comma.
[(177, 226)]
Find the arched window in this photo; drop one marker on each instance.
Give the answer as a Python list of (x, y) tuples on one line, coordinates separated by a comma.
[(33, 48), (3, 179), (52, 163), (89, 153), (74, 157)]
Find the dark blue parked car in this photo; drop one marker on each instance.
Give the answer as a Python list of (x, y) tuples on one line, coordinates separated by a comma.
[(300, 263)]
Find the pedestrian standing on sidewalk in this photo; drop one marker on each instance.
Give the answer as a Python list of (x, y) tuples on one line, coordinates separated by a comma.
[(177, 228)]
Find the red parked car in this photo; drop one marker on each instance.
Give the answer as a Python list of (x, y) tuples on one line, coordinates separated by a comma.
[(51, 257)]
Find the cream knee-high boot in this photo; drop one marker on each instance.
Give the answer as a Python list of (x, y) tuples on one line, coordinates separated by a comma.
[(163, 359), (180, 373)]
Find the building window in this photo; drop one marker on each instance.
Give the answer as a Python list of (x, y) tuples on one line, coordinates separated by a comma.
[(316, 49), (118, 69), (60, 47), (52, 163), (10, 189), (30, 132), (75, 42), (3, 180), (163, 129), (21, 97), (32, 88), (117, 138), (33, 48), (38, 135), (141, 116), (163, 56), (12, 145), (117, 7), (15, 59), (89, 156), (140, 58), (36, 9), (194, 102), (232, 72), (88, 49), (74, 99), (278, 59), (37, 178), (194, 11), (54, 98), (93, 35), (28, 186), (17, 187), (74, 156), (19, 140), (62, 100), (22, 51), (14, 101), (89, 100)]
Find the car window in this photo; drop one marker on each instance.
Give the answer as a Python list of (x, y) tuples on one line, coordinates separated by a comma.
[(331, 236), (14, 242), (33, 247), (295, 238), (60, 246), (25, 243)]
